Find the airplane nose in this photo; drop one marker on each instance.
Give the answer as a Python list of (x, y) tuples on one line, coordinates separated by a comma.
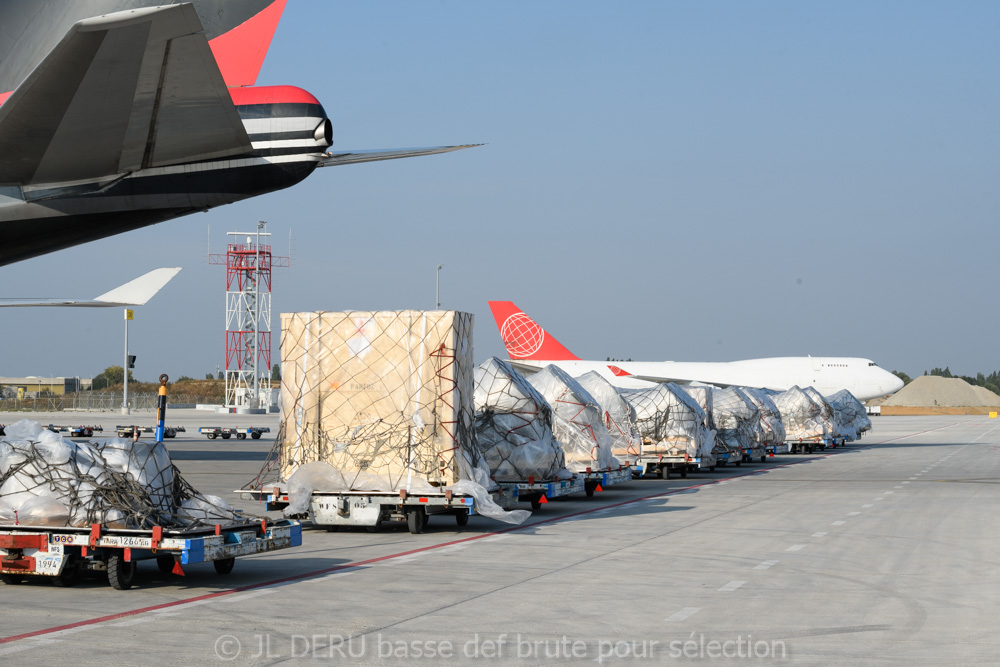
[(894, 383)]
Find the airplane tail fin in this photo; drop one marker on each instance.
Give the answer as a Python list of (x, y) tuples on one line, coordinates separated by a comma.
[(524, 338), (140, 290)]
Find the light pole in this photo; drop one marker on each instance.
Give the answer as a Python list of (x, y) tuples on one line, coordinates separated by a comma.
[(125, 408), (437, 286)]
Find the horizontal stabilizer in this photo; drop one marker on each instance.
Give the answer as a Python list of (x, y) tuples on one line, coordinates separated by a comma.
[(120, 92), (133, 293), (334, 159)]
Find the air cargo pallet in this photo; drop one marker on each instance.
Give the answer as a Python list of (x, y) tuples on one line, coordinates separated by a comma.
[(64, 553), (240, 432), (129, 430), (592, 481), (538, 492)]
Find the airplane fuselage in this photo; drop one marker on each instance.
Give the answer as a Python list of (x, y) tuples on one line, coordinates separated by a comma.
[(828, 375), (288, 129)]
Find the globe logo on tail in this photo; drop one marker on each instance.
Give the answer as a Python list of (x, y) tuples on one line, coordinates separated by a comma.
[(522, 336)]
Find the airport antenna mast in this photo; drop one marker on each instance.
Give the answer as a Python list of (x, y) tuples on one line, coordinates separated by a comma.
[(248, 318)]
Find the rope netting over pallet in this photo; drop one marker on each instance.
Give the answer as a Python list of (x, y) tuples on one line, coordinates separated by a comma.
[(619, 415), (386, 397), (514, 425), (50, 481), (668, 417), (801, 415), (736, 419), (577, 421), (851, 417)]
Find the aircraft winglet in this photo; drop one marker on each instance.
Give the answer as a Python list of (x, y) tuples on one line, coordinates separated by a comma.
[(133, 293)]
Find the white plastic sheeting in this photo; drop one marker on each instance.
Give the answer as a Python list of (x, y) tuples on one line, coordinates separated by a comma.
[(801, 416), (577, 421), (771, 429), (668, 417), (619, 415), (736, 420), (323, 477), (513, 425), (851, 417), (48, 480), (825, 411)]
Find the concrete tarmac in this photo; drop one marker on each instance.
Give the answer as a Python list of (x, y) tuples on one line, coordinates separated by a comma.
[(883, 552)]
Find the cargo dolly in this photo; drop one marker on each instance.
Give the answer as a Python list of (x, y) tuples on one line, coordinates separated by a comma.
[(808, 445), (240, 432), (75, 431), (538, 492), (127, 431), (65, 553), (663, 464), (594, 481), (372, 509)]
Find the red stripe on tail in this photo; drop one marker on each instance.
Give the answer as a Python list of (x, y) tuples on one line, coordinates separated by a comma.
[(524, 338)]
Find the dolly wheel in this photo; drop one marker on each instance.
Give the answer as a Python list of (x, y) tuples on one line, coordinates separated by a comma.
[(70, 573), (11, 579), (664, 472), (462, 518), (241, 436), (415, 520), (224, 566), (589, 489), (684, 472), (120, 574), (165, 564), (225, 436), (255, 435)]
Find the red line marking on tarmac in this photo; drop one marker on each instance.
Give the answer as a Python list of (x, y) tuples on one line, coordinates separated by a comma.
[(370, 561)]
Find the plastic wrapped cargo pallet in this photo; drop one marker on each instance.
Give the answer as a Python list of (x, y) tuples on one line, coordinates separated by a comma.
[(577, 421), (851, 415), (46, 480), (825, 411), (385, 397), (801, 416), (668, 417), (736, 420), (619, 415), (514, 425), (772, 430)]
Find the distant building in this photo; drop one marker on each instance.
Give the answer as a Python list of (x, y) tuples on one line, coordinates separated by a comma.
[(34, 386)]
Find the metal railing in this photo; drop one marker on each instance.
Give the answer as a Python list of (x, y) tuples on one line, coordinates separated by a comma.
[(94, 402)]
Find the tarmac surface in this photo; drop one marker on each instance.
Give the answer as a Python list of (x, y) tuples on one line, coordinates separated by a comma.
[(883, 552)]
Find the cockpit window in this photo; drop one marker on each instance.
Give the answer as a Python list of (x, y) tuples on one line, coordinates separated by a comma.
[(872, 363)]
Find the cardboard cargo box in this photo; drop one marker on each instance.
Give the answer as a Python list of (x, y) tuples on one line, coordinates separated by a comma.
[(388, 394)]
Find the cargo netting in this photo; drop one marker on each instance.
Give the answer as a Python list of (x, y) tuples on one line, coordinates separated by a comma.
[(619, 415), (667, 418), (825, 411), (577, 421), (737, 421), (772, 431), (47, 480), (801, 416), (385, 399), (851, 417), (514, 425)]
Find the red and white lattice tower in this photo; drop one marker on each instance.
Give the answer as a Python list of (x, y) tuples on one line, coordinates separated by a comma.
[(248, 318)]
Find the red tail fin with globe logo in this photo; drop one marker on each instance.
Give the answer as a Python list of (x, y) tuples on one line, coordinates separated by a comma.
[(524, 338)]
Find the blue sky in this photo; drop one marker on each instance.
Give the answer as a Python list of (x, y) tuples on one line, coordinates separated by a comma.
[(661, 180)]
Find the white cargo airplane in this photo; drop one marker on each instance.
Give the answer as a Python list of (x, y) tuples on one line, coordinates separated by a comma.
[(531, 348)]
